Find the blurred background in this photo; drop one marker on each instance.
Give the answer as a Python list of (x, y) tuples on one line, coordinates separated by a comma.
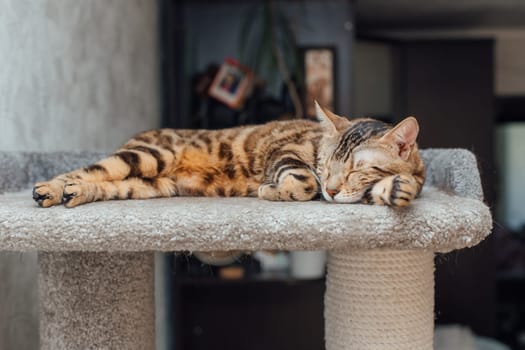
[(87, 75)]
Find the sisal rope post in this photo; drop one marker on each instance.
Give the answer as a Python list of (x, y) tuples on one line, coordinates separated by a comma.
[(379, 300)]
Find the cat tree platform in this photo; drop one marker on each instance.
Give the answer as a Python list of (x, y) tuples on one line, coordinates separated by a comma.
[(96, 260)]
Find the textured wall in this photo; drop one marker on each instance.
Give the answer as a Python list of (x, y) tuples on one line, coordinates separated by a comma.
[(74, 75)]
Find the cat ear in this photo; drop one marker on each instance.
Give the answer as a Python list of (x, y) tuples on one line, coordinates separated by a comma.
[(330, 121), (404, 134)]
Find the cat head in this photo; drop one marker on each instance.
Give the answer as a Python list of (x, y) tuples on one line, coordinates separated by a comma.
[(356, 154)]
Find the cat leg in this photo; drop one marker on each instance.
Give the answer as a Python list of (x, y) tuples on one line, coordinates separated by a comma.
[(81, 192), (132, 160), (291, 184), (396, 190)]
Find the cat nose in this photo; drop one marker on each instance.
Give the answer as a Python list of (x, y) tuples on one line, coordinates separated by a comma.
[(332, 192)]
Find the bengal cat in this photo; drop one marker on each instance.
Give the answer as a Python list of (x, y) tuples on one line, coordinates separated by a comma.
[(348, 161)]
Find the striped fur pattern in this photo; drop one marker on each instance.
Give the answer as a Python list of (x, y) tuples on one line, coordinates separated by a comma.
[(347, 161)]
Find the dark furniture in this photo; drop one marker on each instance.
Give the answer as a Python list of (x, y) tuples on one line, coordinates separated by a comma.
[(277, 313)]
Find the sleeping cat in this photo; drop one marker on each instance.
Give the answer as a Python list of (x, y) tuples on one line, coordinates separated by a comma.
[(347, 161)]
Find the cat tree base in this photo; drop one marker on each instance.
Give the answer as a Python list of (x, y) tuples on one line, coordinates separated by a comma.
[(379, 300), (96, 275), (96, 300)]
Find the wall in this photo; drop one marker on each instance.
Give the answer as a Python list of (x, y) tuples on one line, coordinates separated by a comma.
[(373, 78), (373, 67), (74, 75), (510, 139), (213, 30), (510, 64)]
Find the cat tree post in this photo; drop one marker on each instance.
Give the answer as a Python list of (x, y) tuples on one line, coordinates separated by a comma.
[(96, 300), (380, 299)]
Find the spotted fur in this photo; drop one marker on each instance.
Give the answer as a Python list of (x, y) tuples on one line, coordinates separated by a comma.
[(363, 160)]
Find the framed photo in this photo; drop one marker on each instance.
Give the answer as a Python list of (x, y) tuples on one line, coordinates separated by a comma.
[(319, 77), (231, 84)]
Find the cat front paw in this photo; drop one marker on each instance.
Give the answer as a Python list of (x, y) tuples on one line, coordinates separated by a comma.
[(49, 193), (269, 192), (274, 192), (396, 191)]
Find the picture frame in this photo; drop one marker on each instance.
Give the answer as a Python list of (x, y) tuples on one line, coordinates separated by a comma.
[(232, 84), (319, 73)]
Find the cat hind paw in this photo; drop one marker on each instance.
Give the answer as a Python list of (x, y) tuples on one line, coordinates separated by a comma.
[(47, 194), (75, 194)]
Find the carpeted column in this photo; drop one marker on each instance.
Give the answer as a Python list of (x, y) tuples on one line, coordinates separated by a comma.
[(74, 75), (380, 300), (96, 301)]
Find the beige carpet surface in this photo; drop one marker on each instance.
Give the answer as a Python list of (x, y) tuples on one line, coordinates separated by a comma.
[(436, 221)]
